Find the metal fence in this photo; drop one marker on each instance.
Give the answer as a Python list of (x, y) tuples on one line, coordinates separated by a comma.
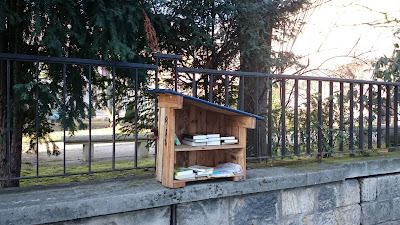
[(304, 115)]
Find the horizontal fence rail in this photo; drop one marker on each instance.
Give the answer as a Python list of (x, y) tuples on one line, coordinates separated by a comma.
[(304, 115), (315, 115), (60, 78)]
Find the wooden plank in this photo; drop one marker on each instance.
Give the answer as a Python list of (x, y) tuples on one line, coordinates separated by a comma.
[(242, 152), (241, 121), (182, 122), (207, 147), (193, 120), (170, 101), (168, 146), (160, 149)]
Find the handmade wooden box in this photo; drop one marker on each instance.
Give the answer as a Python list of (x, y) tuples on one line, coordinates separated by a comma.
[(180, 114)]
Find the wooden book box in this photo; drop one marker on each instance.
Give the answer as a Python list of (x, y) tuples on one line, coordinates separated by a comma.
[(180, 114)]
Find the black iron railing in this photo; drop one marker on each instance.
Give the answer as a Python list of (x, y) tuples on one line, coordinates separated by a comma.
[(304, 115)]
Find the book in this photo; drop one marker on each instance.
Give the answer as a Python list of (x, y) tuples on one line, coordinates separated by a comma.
[(185, 177), (191, 143), (218, 172), (213, 135), (203, 174), (195, 140), (194, 136), (198, 168), (176, 140), (213, 139), (228, 138), (182, 171), (213, 142), (229, 142)]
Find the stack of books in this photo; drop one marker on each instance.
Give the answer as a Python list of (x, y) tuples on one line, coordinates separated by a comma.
[(194, 139), (201, 139), (213, 139), (183, 173), (202, 171), (229, 140)]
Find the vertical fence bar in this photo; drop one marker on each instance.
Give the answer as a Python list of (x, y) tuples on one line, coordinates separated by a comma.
[(320, 119), (395, 117), (257, 97), (341, 110), (241, 93), (308, 118), (370, 102), (269, 146), (351, 124), (156, 111), (283, 116), (379, 122), (361, 119), (64, 113), (176, 74), (90, 118), (8, 143), (113, 113), (136, 115), (330, 114), (211, 86), (37, 118), (296, 117), (387, 116), (194, 86), (226, 90)]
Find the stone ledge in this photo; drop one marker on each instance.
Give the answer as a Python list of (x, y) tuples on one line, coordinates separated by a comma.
[(87, 199)]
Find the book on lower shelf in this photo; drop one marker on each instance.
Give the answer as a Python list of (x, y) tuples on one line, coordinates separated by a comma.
[(183, 173), (218, 172), (197, 168)]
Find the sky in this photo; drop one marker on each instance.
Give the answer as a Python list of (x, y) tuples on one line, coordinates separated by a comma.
[(337, 31)]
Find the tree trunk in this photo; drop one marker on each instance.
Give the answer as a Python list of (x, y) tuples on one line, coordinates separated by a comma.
[(10, 164), (256, 103)]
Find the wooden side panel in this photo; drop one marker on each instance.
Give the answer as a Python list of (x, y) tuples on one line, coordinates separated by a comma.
[(167, 130), (160, 149), (242, 152)]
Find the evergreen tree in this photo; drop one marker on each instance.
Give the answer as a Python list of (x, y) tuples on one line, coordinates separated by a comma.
[(96, 29)]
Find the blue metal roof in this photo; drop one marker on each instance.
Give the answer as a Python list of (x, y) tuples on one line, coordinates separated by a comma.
[(156, 91)]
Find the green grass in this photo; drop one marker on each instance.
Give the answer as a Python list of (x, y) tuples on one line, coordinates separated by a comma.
[(50, 168), (312, 161)]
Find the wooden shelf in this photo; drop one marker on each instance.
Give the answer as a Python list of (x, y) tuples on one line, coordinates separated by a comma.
[(208, 178), (187, 148)]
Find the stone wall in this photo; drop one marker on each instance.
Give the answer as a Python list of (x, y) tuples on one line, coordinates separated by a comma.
[(335, 203), (380, 200), (350, 193)]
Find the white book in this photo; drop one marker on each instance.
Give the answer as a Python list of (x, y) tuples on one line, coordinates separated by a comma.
[(228, 138), (214, 143), (195, 140), (191, 143), (194, 136), (226, 142), (213, 139), (204, 174), (213, 135), (185, 177), (198, 168)]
